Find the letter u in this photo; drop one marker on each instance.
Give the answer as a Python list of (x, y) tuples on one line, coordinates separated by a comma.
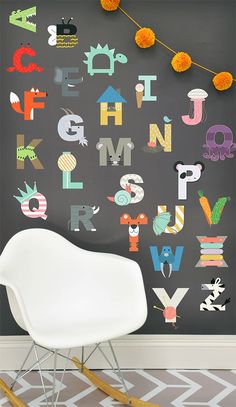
[(179, 218)]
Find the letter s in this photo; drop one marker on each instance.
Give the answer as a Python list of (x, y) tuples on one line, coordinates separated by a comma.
[(132, 179)]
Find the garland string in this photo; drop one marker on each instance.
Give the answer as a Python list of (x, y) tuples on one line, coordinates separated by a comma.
[(165, 45)]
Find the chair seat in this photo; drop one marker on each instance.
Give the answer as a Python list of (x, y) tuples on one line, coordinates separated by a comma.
[(83, 333)]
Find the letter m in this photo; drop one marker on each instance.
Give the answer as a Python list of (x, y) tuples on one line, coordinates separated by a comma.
[(122, 153)]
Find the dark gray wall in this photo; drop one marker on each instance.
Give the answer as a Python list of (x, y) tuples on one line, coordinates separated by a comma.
[(204, 29)]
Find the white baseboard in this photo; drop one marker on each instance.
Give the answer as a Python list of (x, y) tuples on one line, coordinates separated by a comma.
[(141, 352)]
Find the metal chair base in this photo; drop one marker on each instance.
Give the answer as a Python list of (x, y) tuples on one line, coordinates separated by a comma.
[(122, 397)]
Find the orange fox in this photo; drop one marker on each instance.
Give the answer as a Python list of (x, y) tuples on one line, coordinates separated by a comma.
[(29, 103)]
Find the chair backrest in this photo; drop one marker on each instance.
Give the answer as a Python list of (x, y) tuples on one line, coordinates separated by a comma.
[(47, 275)]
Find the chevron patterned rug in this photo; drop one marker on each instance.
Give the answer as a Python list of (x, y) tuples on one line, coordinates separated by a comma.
[(177, 388)]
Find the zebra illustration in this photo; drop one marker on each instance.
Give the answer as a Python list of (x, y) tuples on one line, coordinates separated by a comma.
[(217, 289)]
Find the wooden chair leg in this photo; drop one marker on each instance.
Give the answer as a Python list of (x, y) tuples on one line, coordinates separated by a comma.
[(110, 391), (14, 400), (99, 383)]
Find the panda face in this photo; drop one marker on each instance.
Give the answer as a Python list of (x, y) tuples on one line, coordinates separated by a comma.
[(189, 172)]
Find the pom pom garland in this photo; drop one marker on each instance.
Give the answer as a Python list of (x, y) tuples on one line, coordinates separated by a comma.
[(223, 81), (110, 5), (181, 62), (145, 38)]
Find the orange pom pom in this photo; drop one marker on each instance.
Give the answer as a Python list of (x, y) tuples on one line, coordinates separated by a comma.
[(110, 5), (145, 38), (223, 81), (181, 62)]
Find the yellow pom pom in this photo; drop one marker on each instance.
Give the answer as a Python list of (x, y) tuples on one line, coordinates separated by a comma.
[(145, 38), (223, 81), (181, 62), (110, 5)]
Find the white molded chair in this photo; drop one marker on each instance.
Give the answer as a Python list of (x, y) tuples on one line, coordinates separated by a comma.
[(66, 297)]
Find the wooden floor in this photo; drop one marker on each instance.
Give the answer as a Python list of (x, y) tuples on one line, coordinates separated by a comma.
[(178, 388)]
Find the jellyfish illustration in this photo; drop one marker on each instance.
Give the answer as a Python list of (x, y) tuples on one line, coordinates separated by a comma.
[(197, 113)]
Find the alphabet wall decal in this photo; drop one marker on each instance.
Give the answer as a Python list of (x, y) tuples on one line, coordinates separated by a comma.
[(197, 107), (134, 229), (115, 153), (29, 103), (67, 163), (165, 142), (63, 35), (215, 151), (110, 64), (211, 251), (24, 18), (62, 77), (25, 197), (71, 128), (170, 304), (212, 216), (82, 214), (145, 90), (23, 152), (162, 220), (186, 174), (17, 64), (128, 183), (173, 260), (111, 106), (217, 289), (115, 158)]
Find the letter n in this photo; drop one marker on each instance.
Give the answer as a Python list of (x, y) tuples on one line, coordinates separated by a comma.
[(155, 134)]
